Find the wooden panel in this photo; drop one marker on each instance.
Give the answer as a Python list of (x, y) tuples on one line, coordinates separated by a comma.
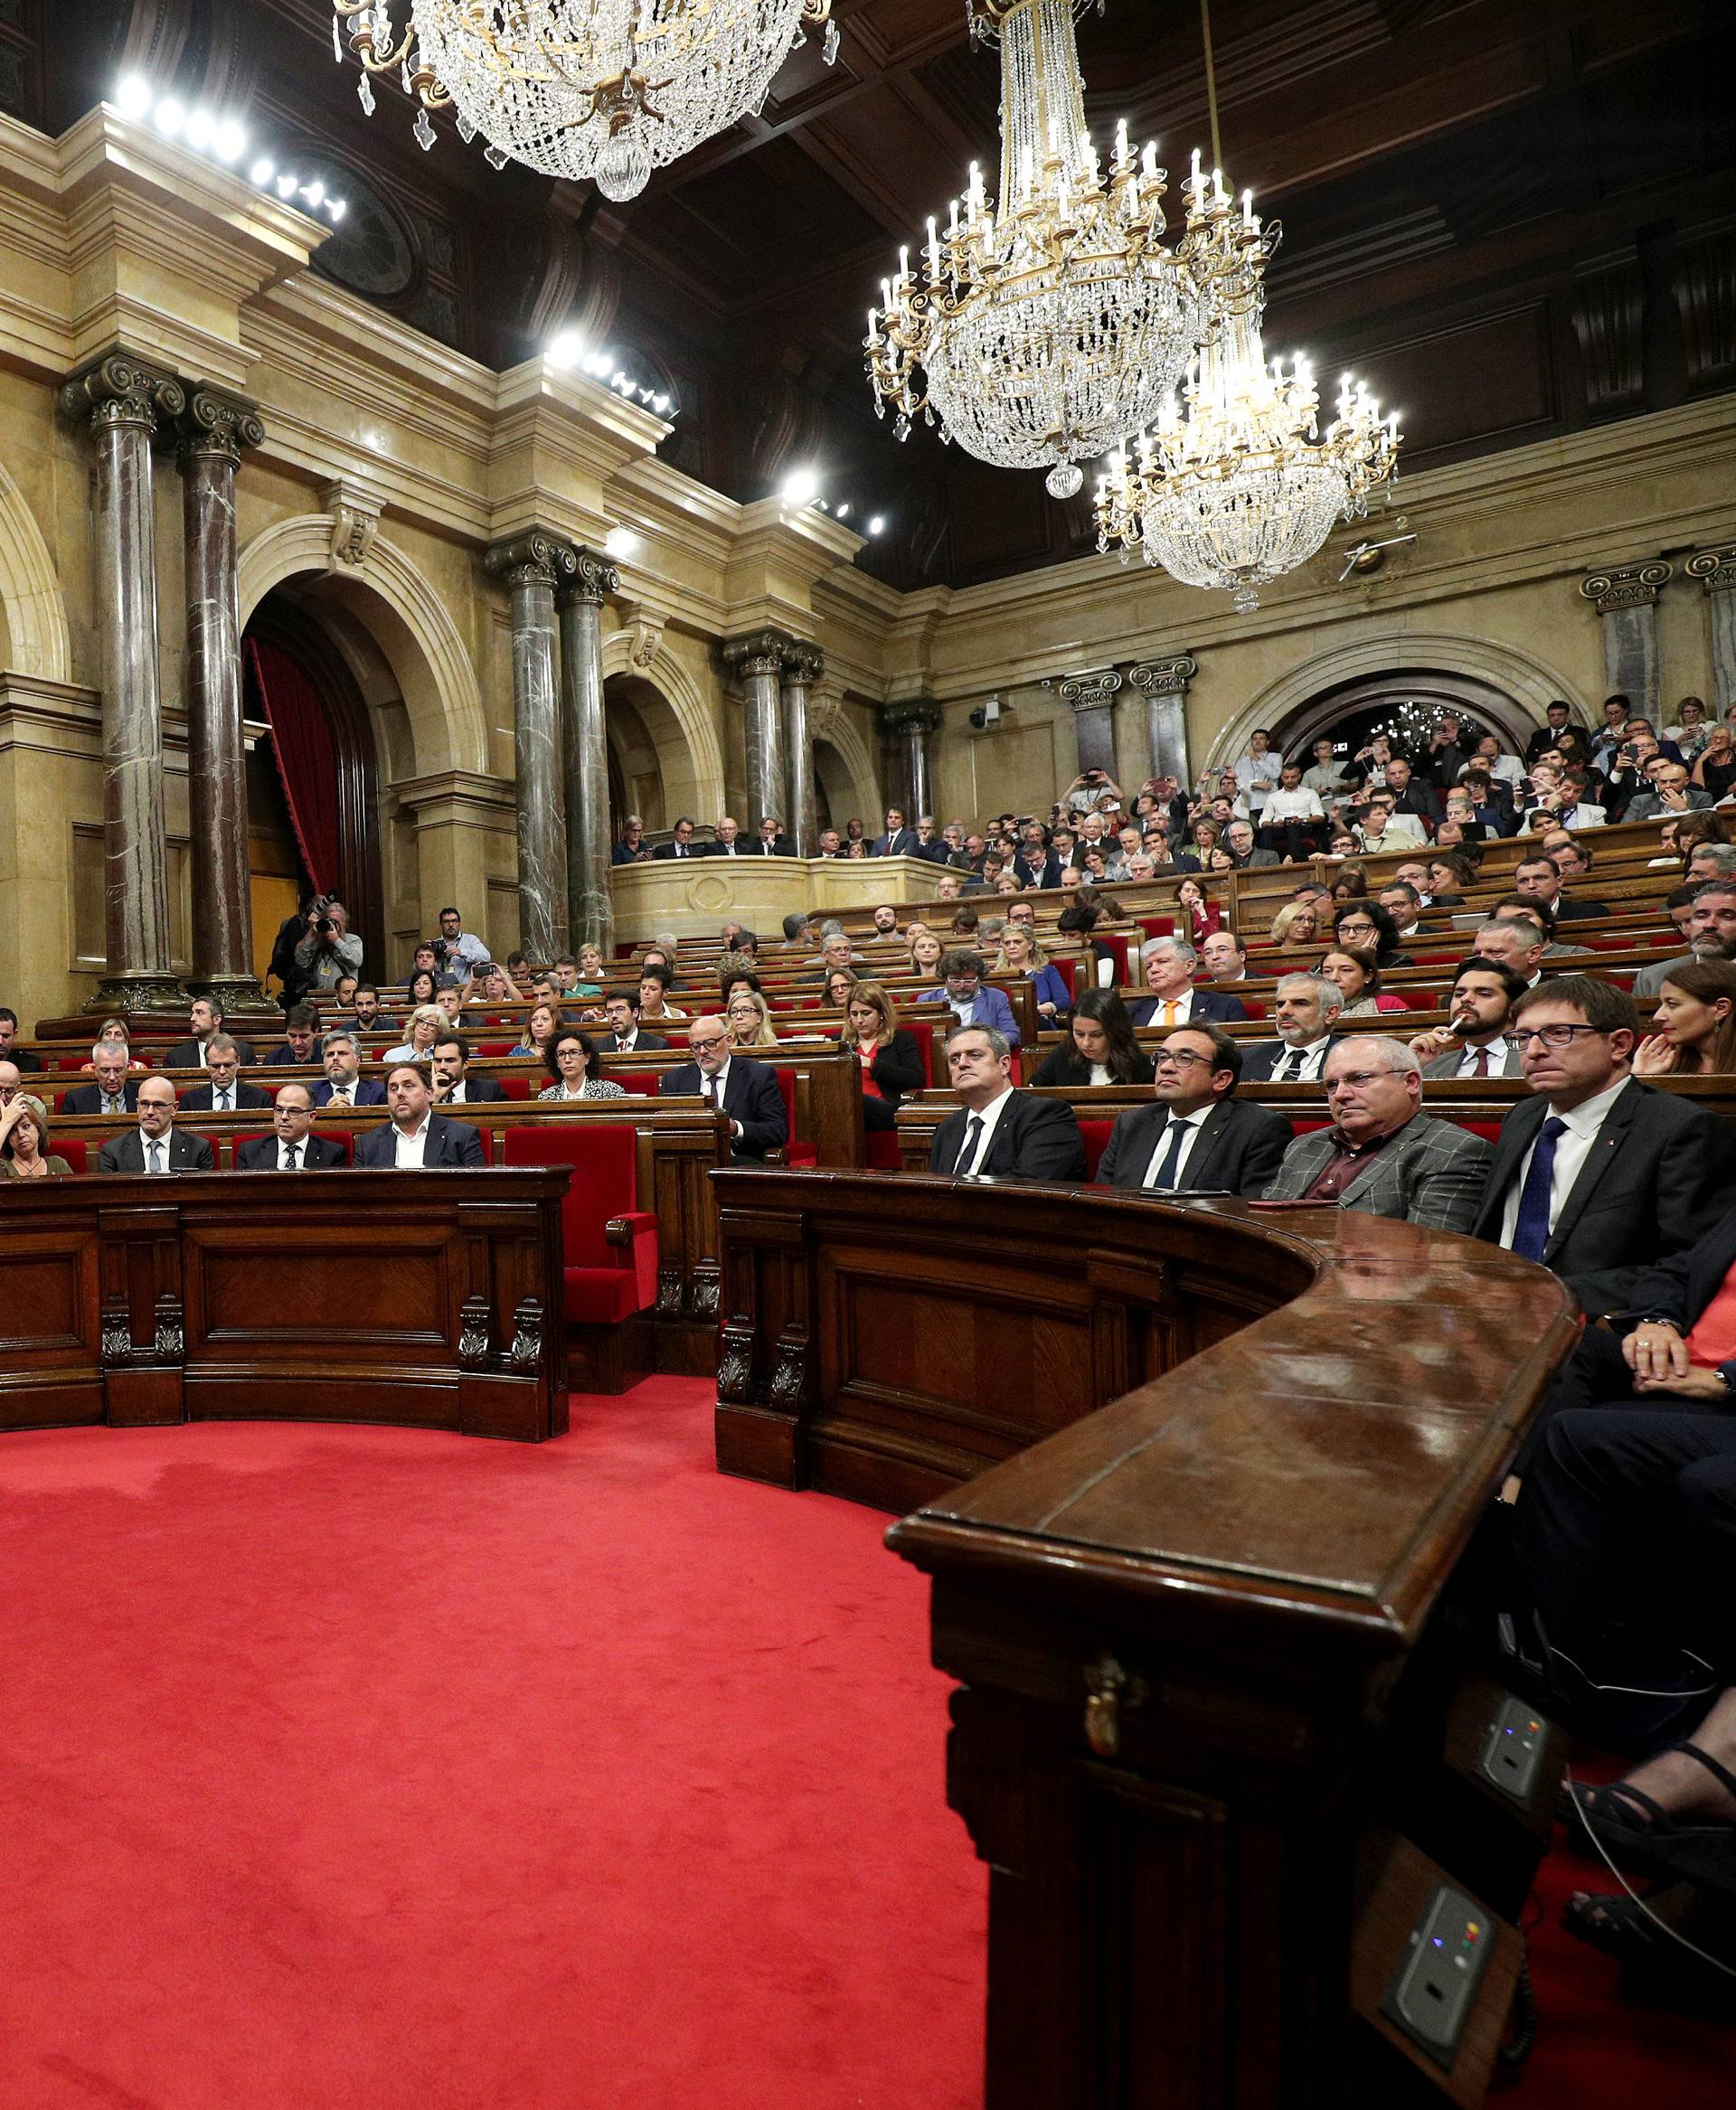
[(50, 1290), (236, 1282)]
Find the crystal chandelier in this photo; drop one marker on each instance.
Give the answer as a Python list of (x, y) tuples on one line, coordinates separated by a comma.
[(1049, 324), (603, 90)]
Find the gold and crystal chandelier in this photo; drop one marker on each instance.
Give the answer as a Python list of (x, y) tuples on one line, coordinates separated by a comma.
[(1242, 486), (1046, 324), (600, 91)]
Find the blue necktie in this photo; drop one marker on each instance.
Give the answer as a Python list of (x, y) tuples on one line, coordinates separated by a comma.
[(1167, 1171), (1530, 1227)]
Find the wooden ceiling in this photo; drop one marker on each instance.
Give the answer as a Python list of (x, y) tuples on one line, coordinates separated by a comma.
[(1516, 220)]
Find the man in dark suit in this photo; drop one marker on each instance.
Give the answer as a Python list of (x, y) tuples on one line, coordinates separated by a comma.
[(343, 1084), (1173, 1001), (293, 1148), (745, 1091), (205, 1015), (225, 1093), (621, 1009), (1600, 1177), (300, 1037), (453, 1085), (725, 840), (157, 1145), (1538, 878), (773, 841), (1197, 1137), (1410, 793), (898, 841), (114, 1091), (10, 1051), (998, 1133), (1475, 1045), (1543, 741), (1304, 1010), (417, 1138), (683, 846)]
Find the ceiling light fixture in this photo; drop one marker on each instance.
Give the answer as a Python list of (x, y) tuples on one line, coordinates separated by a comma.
[(801, 488), (134, 97), (171, 116)]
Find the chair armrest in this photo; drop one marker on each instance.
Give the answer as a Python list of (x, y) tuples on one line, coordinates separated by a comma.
[(635, 1234)]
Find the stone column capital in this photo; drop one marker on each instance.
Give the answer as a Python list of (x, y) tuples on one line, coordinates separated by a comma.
[(589, 577), (218, 425), (919, 716), (804, 663), (1165, 677), (531, 558), (1714, 569), (119, 390), (1627, 586), (760, 653), (1095, 691)]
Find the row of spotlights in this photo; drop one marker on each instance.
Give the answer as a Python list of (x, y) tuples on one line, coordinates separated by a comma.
[(803, 489), (567, 350), (224, 139)]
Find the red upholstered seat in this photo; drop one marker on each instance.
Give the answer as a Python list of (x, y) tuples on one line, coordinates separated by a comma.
[(495, 1047), (1305, 1124), (1490, 1131), (921, 1031), (519, 1088), (1116, 943), (1064, 968), (1157, 925), (798, 1150), (73, 1148), (1097, 1135), (882, 1152), (1253, 1009), (642, 1082), (606, 1282)]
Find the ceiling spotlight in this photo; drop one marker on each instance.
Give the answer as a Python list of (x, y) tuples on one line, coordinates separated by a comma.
[(262, 171), (170, 115), (133, 96), (567, 349), (877, 524), (802, 488), (619, 542), (659, 403), (844, 511), (201, 128), (286, 185), (315, 192), (337, 207), (597, 363), (230, 141)]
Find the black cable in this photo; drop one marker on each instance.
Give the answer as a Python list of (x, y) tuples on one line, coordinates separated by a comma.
[(1516, 2052)]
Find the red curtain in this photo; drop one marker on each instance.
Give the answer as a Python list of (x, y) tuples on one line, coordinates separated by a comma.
[(301, 740)]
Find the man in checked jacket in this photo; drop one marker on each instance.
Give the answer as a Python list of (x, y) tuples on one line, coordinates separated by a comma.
[(1384, 1153)]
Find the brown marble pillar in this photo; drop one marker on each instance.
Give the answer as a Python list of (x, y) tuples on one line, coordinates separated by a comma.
[(590, 902), (1164, 684), (530, 564), (758, 663), (913, 723), (214, 430), (123, 399), (804, 664)]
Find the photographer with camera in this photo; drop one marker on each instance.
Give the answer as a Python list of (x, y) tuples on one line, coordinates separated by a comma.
[(327, 951), (458, 955), (1085, 794)]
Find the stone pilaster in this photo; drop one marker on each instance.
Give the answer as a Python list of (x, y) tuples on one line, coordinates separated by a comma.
[(214, 430), (757, 662), (1716, 571), (913, 723), (579, 596), (530, 564), (804, 664), (1091, 698), (122, 399), (1626, 599), (1164, 684)]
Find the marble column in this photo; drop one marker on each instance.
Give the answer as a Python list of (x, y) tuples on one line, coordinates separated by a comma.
[(530, 564), (804, 664), (758, 663), (1716, 571), (214, 430), (913, 723), (590, 902), (1626, 599), (1164, 684), (1091, 698), (123, 399)]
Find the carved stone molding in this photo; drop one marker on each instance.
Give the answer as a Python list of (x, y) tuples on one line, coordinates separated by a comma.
[(761, 652), (1714, 569), (589, 578), (355, 510), (825, 707), (1164, 677), (214, 423), (1095, 691), (1627, 586), (532, 558), (119, 390)]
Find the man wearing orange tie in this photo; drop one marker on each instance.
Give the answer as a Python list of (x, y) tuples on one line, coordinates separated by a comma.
[(1173, 1000)]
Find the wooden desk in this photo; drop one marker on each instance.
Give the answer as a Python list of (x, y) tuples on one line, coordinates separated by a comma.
[(1240, 1454), (426, 1301)]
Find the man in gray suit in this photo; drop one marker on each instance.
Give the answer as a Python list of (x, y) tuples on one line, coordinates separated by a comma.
[(1711, 935), (1475, 1045), (1384, 1155), (157, 1145)]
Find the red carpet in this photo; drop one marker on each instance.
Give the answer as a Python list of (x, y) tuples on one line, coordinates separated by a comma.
[(346, 1769)]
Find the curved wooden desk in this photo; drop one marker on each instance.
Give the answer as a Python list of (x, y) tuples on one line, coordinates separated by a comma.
[(1192, 1479), (431, 1300)]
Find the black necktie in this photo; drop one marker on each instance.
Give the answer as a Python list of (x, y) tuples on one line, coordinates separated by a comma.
[(1290, 1068), (294, 1158), (1167, 1172), (973, 1137)]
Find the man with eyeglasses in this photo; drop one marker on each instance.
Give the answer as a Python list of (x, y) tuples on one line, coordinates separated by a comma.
[(745, 1091), (1198, 1137), (1173, 1000), (225, 1093), (1475, 1045), (1384, 1155), (156, 1146), (1598, 1176)]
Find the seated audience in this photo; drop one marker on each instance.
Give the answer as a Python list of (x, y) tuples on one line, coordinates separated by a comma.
[(1384, 1155), (450, 1003), (1711, 935), (300, 1037), (1598, 1176), (539, 1023), (225, 1093), (1197, 1137), (23, 1141), (292, 1147), (157, 1145), (1225, 957), (925, 954), (1366, 924), (497, 986), (898, 841), (115, 1031), (1350, 884), (1244, 853), (1021, 954), (973, 1001), (450, 1078), (1473, 1044), (205, 1015), (621, 1011), (367, 1015), (745, 1091), (891, 1064), (114, 1092), (1100, 1047), (998, 1133), (416, 1138), (749, 1017), (1305, 1008), (1538, 878), (1695, 1024), (1403, 903), (1359, 982), (10, 1051), (422, 989), (575, 1068), (1297, 924), (654, 983), (1292, 816), (1516, 942), (427, 1022), (343, 1084), (734, 973), (1715, 769), (1196, 916), (1169, 964)]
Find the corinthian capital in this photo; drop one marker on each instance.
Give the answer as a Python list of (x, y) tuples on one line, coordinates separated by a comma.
[(119, 390), (762, 653)]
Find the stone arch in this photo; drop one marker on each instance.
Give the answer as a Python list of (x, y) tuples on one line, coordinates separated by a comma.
[(677, 720), (1295, 706), (389, 597), (844, 766), (36, 641)]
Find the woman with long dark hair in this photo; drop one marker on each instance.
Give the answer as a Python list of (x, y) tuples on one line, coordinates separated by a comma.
[(1695, 1022), (1100, 1047), (1365, 925)]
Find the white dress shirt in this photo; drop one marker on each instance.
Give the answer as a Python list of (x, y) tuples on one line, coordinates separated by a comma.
[(1571, 1150), (1182, 1009), (990, 1116), (1496, 1051), (1313, 1056), (160, 1144), (1193, 1123), (411, 1147), (300, 1150), (223, 1098), (1303, 804)]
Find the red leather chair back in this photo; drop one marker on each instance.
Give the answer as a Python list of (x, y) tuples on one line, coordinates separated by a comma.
[(73, 1148), (642, 1082), (604, 1179), (1097, 1135)]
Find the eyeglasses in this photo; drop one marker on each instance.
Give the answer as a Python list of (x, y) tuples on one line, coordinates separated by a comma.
[(1356, 923), (1180, 1061), (1551, 1036), (1355, 1079)]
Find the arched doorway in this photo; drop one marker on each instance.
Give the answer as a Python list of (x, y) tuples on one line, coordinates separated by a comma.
[(1406, 706), (320, 771)]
